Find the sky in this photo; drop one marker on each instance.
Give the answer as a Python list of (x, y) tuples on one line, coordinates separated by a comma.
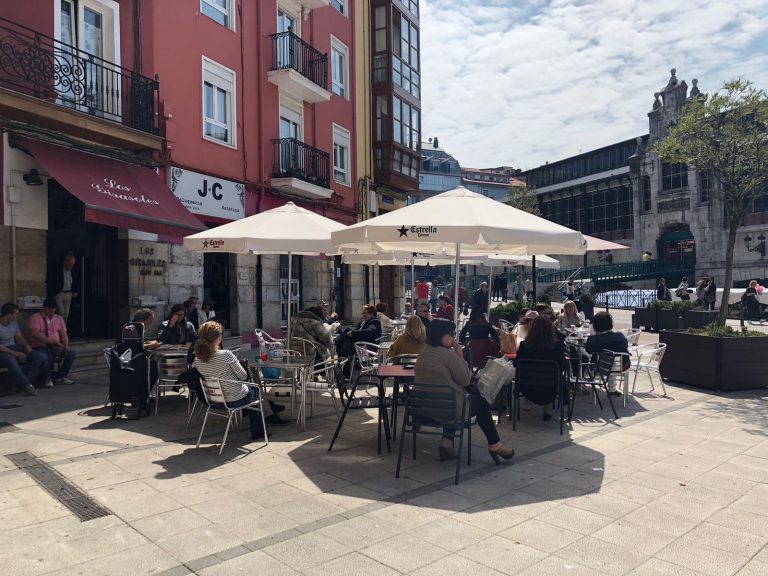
[(524, 82)]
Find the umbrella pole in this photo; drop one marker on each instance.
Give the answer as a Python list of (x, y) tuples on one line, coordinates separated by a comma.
[(490, 292), (413, 285), (290, 300), (533, 276), (456, 285)]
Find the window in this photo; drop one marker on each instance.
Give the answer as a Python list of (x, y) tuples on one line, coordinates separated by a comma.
[(341, 160), (673, 176), (340, 68), (405, 129), (219, 11), (340, 5), (646, 193), (218, 103), (382, 119), (405, 54), (705, 187)]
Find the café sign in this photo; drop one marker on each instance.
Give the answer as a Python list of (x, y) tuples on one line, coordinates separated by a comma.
[(207, 195)]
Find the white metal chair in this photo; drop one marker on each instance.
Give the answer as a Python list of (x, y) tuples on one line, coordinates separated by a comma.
[(217, 406), (632, 335), (170, 367), (648, 359), (506, 325), (324, 377), (367, 359)]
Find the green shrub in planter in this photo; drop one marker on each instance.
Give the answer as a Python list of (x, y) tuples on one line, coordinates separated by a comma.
[(510, 312)]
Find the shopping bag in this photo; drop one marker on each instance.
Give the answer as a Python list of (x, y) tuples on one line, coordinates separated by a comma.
[(508, 342), (496, 374)]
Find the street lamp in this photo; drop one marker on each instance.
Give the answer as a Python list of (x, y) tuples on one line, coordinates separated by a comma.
[(759, 247)]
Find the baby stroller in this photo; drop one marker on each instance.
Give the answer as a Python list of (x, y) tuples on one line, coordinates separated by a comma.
[(129, 373)]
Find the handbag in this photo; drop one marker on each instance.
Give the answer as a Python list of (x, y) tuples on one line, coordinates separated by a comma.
[(497, 374), (508, 342)]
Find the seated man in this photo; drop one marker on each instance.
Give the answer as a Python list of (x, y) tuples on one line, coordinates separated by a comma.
[(606, 339), (24, 364), (48, 336)]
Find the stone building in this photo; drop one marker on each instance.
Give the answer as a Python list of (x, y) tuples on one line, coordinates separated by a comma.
[(625, 193)]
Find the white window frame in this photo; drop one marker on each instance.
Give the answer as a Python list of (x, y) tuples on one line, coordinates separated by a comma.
[(341, 48), (111, 25), (294, 11), (229, 12), (293, 110), (344, 7), (342, 138), (220, 77)]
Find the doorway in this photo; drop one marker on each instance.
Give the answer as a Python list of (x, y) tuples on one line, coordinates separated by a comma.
[(100, 275), (216, 284)]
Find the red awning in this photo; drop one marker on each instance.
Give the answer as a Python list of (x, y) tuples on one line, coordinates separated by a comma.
[(116, 193)]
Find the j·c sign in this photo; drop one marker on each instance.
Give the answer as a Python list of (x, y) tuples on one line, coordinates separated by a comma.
[(207, 195)]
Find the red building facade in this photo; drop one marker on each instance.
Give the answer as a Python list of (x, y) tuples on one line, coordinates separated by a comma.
[(237, 106)]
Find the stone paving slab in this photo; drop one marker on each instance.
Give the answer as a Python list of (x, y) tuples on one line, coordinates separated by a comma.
[(676, 486)]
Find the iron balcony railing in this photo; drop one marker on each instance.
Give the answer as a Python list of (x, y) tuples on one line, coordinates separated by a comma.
[(40, 66), (295, 159), (290, 51), (628, 298), (622, 272)]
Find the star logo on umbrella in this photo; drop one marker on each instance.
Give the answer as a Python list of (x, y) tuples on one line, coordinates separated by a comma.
[(205, 243), (403, 231)]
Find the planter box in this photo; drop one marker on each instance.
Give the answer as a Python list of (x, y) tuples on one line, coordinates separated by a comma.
[(715, 363), (667, 320), (645, 317), (699, 318)]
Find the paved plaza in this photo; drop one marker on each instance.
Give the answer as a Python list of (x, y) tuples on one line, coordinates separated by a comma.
[(677, 486)]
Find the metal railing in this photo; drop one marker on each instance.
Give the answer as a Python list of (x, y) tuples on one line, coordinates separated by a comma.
[(295, 159), (632, 298), (38, 65), (290, 51), (621, 272)]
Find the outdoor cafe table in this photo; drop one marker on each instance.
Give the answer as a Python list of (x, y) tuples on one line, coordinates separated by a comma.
[(297, 365), (384, 371)]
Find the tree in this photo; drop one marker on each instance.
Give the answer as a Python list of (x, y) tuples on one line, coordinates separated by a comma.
[(724, 135), (522, 198)]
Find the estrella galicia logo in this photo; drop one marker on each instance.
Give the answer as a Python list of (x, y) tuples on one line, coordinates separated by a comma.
[(213, 243), (419, 231)]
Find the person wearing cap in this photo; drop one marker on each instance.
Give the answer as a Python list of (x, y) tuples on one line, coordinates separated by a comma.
[(323, 305), (48, 337)]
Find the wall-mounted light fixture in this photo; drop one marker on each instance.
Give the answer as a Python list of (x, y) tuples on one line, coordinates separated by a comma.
[(32, 178), (759, 247)]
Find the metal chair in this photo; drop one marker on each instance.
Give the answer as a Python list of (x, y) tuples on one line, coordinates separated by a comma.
[(324, 377), (506, 325), (217, 406), (170, 367), (541, 381), (434, 406), (649, 358)]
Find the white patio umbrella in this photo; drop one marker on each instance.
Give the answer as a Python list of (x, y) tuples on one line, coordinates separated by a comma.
[(461, 221), (287, 229)]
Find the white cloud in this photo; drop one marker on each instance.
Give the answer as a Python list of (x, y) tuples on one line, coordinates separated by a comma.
[(521, 83)]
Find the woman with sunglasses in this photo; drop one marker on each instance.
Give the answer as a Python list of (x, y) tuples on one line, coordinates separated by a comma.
[(442, 362), (177, 329)]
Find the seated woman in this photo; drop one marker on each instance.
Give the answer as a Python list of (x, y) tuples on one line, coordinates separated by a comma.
[(213, 362), (542, 344), (570, 316), (411, 341), (478, 328), (444, 307), (751, 302), (520, 331), (381, 314), (177, 330), (606, 339), (308, 325), (441, 362)]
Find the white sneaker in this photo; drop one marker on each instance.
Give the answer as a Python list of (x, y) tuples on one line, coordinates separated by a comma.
[(49, 382), (64, 381)]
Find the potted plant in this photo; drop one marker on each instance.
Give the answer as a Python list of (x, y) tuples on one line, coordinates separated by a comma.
[(645, 317), (509, 312), (716, 357)]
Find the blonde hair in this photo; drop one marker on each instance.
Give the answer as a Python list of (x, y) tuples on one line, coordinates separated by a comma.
[(205, 347), (570, 304), (414, 328)]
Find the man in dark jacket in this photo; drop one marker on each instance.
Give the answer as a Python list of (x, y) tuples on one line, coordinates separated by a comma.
[(480, 298), (369, 331), (606, 339)]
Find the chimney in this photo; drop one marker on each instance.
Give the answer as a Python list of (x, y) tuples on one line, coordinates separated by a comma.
[(434, 143)]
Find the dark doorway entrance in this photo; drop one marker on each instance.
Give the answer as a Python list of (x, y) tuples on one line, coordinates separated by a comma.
[(387, 288), (216, 286), (101, 270)]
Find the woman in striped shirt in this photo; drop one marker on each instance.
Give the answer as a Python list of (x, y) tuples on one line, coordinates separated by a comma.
[(213, 362)]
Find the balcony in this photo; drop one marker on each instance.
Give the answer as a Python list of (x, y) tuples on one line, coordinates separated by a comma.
[(301, 169), (298, 68), (47, 83)]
